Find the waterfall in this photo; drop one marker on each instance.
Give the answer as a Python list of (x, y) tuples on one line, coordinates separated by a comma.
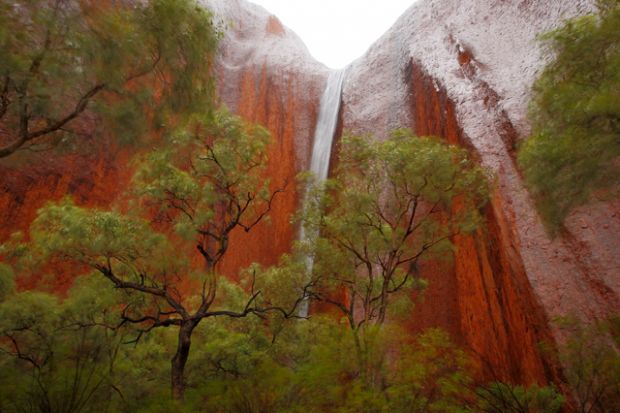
[(326, 125), (322, 147)]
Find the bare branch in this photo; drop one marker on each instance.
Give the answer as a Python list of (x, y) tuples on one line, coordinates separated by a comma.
[(159, 292), (77, 110), (25, 135), (267, 210)]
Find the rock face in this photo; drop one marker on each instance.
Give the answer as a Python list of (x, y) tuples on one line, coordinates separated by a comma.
[(266, 75), (463, 70), (29, 180)]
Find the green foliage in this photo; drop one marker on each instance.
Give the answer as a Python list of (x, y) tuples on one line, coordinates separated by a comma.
[(237, 366), (95, 237), (7, 281), (205, 181), (210, 173), (311, 367), (501, 398), (138, 66), (58, 356), (389, 205), (432, 376), (592, 363), (573, 152)]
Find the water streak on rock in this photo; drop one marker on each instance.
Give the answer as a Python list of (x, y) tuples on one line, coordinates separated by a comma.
[(323, 139)]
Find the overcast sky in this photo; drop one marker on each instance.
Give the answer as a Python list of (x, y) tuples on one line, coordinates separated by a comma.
[(337, 31)]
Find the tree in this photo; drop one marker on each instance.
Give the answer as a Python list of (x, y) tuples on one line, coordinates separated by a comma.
[(189, 196), (311, 367), (128, 63), (389, 205), (592, 363), (500, 397), (59, 355), (573, 152), (432, 375)]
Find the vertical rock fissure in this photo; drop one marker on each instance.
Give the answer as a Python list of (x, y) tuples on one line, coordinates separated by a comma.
[(322, 147), (493, 300)]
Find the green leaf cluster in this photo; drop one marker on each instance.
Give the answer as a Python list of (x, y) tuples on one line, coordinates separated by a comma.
[(501, 397), (58, 355), (127, 67), (96, 238), (311, 367), (572, 155), (7, 281), (592, 362), (213, 170), (389, 205)]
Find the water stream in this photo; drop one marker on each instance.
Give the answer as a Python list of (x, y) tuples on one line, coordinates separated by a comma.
[(322, 147)]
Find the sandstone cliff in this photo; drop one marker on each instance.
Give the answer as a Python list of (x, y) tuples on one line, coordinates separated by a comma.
[(463, 70), (460, 70), (266, 75)]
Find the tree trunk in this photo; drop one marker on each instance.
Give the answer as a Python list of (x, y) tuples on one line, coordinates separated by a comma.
[(180, 359)]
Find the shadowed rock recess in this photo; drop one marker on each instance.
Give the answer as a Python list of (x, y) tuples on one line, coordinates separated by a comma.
[(460, 70)]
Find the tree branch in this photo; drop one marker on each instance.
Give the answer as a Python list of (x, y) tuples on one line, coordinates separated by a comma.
[(25, 135), (78, 109), (158, 292), (262, 215)]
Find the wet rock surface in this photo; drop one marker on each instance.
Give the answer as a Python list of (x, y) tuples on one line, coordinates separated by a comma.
[(464, 71), (460, 70), (265, 74)]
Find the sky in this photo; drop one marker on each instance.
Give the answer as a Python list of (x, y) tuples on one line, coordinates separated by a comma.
[(337, 31)]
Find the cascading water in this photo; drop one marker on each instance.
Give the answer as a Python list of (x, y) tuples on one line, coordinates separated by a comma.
[(322, 148), (326, 125)]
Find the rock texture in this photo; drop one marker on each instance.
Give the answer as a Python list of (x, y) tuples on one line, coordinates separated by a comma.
[(463, 70), (29, 180), (266, 75)]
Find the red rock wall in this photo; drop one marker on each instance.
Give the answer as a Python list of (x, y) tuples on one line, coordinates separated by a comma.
[(278, 108), (96, 175), (483, 298), (504, 282), (29, 180)]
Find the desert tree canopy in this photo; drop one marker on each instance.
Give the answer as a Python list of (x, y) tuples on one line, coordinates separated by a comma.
[(573, 152), (125, 66)]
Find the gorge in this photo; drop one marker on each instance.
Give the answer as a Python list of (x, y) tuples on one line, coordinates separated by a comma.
[(462, 71), (439, 72)]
